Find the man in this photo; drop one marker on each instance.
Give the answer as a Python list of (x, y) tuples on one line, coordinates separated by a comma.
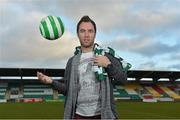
[(88, 77)]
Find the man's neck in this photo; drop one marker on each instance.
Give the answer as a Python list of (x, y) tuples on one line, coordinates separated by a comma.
[(87, 49)]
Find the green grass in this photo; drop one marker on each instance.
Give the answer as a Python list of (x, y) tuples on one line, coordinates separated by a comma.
[(126, 110), (141, 110), (44, 110)]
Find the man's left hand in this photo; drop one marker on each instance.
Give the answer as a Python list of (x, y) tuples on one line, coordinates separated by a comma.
[(102, 61)]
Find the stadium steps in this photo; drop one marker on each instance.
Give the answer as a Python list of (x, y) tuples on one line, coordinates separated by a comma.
[(171, 93), (160, 91), (153, 92), (121, 93), (130, 88)]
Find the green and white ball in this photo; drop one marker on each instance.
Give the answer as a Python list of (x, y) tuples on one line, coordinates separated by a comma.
[(51, 27)]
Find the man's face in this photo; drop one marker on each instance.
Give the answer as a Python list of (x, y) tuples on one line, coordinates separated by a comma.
[(86, 34)]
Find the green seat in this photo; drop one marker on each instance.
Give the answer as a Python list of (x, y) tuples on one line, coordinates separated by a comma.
[(1, 96), (61, 97), (49, 97), (123, 93), (135, 97)]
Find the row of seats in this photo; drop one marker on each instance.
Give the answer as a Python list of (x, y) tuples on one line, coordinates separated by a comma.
[(38, 91), (131, 91), (155, 92)]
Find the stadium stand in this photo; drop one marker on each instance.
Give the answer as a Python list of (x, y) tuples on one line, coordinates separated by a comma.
[(21, 84)]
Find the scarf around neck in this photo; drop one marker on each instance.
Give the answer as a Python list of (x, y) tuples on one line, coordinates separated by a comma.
[(100, 72)]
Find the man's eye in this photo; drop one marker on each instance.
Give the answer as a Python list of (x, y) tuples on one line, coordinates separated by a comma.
[(82, 31), (91, 31)]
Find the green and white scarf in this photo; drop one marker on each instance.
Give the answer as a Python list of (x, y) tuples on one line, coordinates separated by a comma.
[(98, 51)]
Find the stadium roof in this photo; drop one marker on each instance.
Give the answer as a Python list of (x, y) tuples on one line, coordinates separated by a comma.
[(24, 72), (155, 75), (135, 74)]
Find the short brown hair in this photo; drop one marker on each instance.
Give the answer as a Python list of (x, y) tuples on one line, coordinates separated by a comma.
[(86, 19)]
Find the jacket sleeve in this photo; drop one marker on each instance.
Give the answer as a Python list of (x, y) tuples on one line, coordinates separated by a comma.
[(63, 87), (115, 70)]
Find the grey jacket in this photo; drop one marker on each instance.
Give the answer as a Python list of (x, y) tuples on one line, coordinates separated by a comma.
[(115, 74)]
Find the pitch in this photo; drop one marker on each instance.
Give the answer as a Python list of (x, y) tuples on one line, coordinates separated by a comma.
[(126, 110)]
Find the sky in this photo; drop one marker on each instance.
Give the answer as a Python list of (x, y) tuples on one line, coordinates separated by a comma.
[(145, 33)]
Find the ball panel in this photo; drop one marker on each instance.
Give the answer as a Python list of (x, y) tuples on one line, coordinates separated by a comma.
[(45, 28), (42, 30), (40, 27), (62, 25), (54, 27), (49, 26), (58, 26)]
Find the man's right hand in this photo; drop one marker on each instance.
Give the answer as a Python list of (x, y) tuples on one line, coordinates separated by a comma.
[(44, 78)]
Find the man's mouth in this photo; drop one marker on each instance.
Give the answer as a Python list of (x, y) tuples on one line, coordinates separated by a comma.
[(86, 40)]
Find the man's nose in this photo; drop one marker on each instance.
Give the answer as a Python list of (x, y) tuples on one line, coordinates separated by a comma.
[(86, 34)]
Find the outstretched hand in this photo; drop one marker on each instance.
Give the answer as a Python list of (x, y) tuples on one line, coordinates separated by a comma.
[(44, 78)]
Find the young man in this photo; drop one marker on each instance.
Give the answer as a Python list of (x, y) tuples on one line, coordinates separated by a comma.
[(88, 77)]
